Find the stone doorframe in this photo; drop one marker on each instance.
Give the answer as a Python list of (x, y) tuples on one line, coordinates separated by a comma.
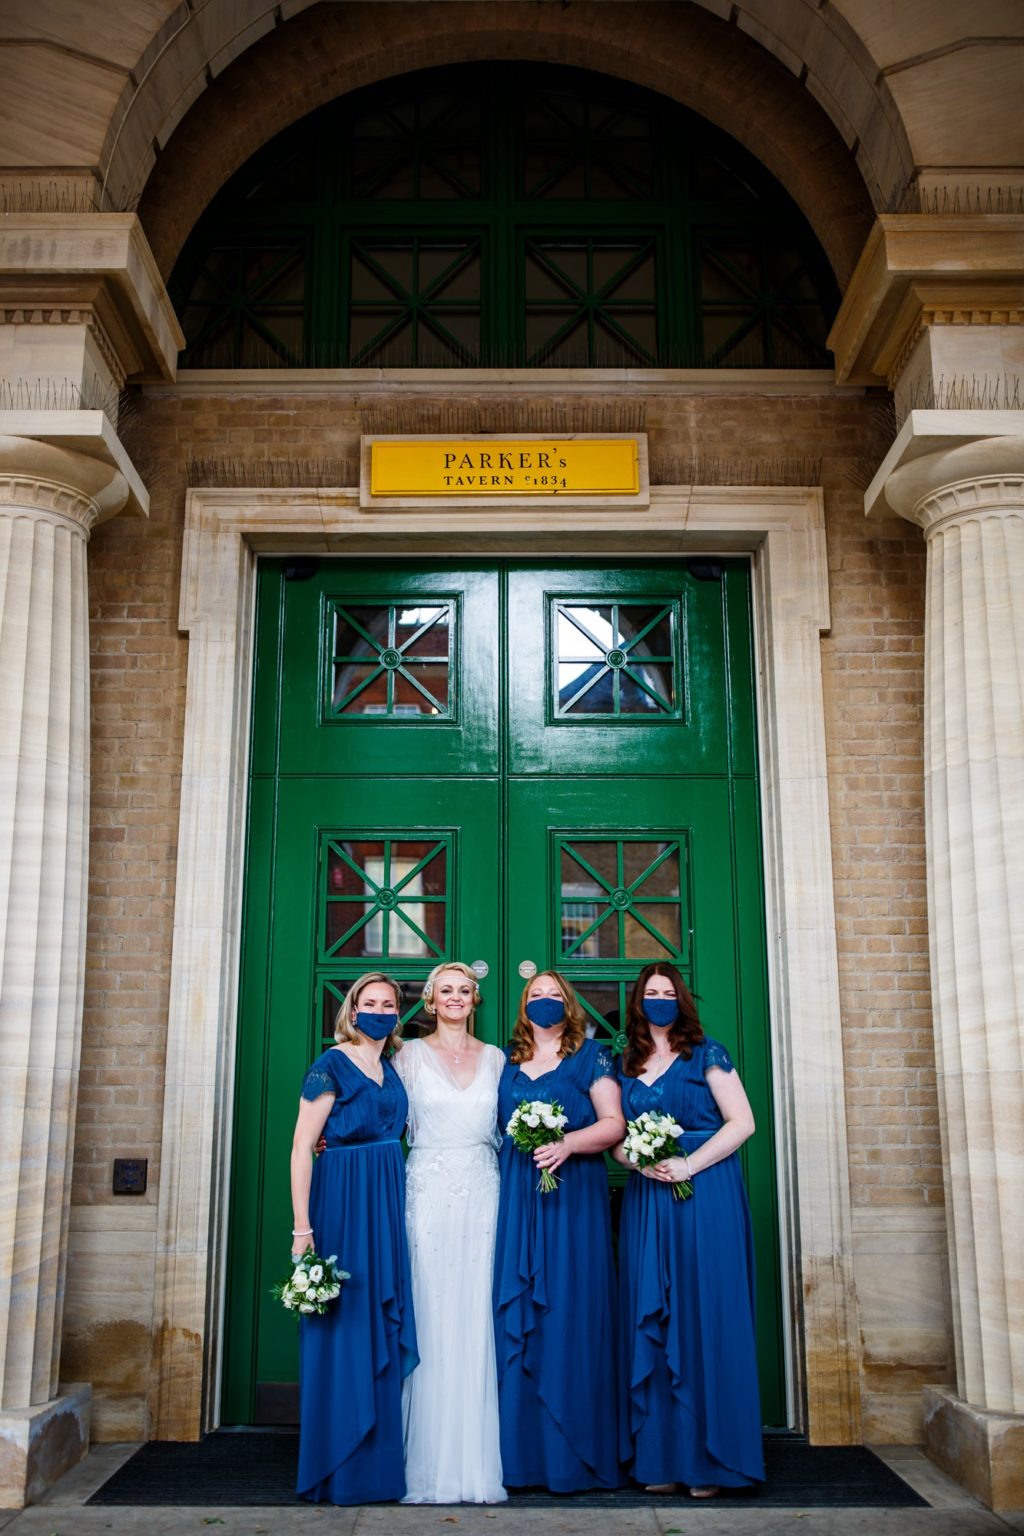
[(782, 529)]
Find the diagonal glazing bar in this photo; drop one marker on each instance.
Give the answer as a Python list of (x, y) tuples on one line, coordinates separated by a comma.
[(407, 920), (353, 866), (396, 324), (658, 698), (581, 861), (646, 631), (665, 943), (629, 266), (437, 848), (355, 624), (564, 708), (666, 853), (572, 615), (557, 337), (361, 923), (389, 279), (582, 938), (357, 690), (442, 613), (436, 703), (608, 319), (461, 258)]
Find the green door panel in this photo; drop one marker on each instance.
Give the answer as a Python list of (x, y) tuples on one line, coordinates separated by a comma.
[(292, 989), (502, 763), (665, 874), (616, 671), (382, 678)]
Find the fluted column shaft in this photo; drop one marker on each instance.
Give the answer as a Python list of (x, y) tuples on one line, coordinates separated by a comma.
[(975, 808), (49, 500), (971, 508)]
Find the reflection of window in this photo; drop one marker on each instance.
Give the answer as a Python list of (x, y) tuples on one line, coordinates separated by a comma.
[(616, 659), (404, 939), (634, 900), (385, 898), (578, 920), (391, 660)]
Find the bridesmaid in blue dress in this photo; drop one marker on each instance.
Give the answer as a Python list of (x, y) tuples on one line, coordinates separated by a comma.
[(351, 1203), (554, 1288), (690, 1410)]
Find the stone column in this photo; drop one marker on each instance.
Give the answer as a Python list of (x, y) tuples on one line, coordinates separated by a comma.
[(50, 499), (969, 499)]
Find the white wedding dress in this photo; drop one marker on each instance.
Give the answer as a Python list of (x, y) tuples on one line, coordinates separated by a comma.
[(450, 1401)]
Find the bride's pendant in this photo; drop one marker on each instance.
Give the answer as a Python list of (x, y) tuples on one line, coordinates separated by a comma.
[(457, 1058)]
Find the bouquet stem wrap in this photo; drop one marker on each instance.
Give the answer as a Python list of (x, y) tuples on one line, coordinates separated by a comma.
[(652, 1138), (537, 1123), (312, 1285)]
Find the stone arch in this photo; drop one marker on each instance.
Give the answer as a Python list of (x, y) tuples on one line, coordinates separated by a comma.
[(683, 52)]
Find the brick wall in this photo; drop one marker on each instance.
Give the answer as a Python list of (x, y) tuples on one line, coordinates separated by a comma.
[(873, 680)]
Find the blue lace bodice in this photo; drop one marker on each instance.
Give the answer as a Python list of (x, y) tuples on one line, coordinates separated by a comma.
[(569, 1083), (682, 1091), (361, 1111)]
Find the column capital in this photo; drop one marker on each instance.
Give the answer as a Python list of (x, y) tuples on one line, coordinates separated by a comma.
[(77, 450), (59, 483), (946, 465)]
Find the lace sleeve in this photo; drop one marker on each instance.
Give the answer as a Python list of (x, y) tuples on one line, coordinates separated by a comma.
[(603, 1066), (405, 1064), (318, 1081), (716, 1055), (496, 1062), (402, 1062)]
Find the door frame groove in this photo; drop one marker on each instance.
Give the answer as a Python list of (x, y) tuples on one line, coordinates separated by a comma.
[(782, 530)]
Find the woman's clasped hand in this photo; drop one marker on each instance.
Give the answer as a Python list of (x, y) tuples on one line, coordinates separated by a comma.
[(484, 1340)]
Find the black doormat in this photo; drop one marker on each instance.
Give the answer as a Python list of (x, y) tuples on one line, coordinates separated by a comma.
[(237, 1467)]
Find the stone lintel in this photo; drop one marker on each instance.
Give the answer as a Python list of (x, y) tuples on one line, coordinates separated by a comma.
[(928, 433), (85, 432), (62, 263), (922, 269), (38, 1444), (983, 1450)]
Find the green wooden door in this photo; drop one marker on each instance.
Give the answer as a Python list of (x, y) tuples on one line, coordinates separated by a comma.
[(500, 763)]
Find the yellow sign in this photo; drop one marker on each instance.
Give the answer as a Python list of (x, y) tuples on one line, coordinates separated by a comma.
[(524, 466)]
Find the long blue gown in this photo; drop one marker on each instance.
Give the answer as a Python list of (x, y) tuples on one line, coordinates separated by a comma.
[(353, 1359), (690, 1410), (554, 1296)]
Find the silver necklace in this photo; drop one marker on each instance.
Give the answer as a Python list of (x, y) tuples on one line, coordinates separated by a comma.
[(457, 1058), (374, 1070)]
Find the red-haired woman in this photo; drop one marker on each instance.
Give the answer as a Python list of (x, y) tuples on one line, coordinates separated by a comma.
[(689, 1407), (554, 1291)]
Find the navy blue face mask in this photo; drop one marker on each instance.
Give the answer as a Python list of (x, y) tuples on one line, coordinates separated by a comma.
[(545, 1012), (377, 1025), (661, 1011)]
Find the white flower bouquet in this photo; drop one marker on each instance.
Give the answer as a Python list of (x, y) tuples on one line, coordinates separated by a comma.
[(650, 1139), (313, 1283), (537, 1123)]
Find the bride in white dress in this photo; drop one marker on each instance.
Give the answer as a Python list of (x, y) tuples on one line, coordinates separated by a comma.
[(450, 1402)]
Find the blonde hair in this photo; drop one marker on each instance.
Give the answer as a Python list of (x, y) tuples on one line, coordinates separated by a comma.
[(431, 981), (574, 1030), (344, 1024)]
